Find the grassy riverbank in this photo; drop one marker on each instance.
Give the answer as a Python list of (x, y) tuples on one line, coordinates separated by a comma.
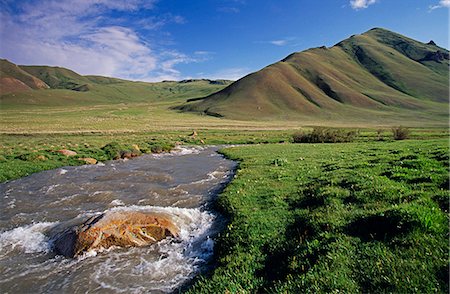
[(367, 217), (23, 154)]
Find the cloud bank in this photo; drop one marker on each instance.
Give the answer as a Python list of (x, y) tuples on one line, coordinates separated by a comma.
[(90, 37), (441, 4)]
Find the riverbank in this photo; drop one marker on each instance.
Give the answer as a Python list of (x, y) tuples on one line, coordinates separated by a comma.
[(24, 154), (367, 217)]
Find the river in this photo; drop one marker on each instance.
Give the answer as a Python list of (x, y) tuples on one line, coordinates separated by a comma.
[(182, 184)]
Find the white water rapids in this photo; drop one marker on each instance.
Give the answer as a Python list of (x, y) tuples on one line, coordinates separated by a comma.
[(181, 184)]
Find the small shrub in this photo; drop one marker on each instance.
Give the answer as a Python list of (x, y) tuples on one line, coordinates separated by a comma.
[(112, 150), (325, 135), (157, 149), (400, 133)]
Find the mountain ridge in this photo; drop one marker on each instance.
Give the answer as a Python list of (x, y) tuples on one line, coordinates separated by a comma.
[(378, 71)]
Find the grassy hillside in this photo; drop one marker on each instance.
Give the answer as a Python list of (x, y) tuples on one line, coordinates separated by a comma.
[(56, 77), (64, 87), (378, 74), (120, 92), (15, 79)]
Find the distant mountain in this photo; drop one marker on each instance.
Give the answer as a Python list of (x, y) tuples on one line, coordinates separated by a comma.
[(46, 86), (365, 76)]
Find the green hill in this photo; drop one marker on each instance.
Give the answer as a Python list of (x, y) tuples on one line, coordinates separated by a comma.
[(14, 79), (373, 76), (57, 77), (23, 86)]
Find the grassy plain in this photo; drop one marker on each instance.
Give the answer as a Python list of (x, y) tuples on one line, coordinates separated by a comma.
[(368, 217)]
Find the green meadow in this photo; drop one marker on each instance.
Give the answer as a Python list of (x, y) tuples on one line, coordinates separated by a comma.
[(369, 217)]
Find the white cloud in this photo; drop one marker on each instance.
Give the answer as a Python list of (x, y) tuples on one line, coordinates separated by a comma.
[(122, 44), (441, 4), (82, 35), (203, 53), (279, 42), (361, 4), (166, 69)]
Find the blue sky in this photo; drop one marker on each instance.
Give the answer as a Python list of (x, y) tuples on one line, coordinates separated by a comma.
[(154, 40)]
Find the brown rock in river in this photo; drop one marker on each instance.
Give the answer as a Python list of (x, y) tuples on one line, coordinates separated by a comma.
[(118, 228)]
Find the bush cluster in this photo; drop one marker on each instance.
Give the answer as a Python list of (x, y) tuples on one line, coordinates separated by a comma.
[(400, 133), (116, 151), (325, 135)]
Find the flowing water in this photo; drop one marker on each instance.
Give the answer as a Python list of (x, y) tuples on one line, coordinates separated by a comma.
[(182, 184)]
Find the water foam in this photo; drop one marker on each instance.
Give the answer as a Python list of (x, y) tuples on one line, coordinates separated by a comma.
[(166, 265), (187, 150), (11, 204), (180, 151), (214, 175), (117, 202), (29, 238), (189, 220)]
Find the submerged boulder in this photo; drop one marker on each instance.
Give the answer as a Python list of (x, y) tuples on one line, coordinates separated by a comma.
[(116, 228)]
